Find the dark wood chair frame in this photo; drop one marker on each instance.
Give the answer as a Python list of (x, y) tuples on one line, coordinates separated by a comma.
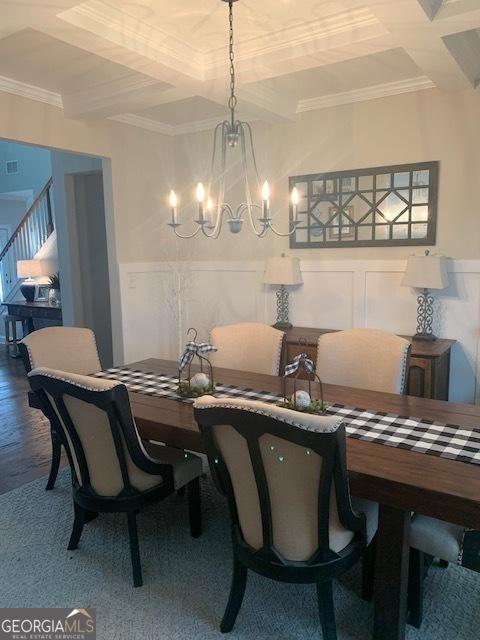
[(56, 436), (324, 564), (87, 503)]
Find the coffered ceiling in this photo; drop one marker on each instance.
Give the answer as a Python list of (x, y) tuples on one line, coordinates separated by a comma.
[(161, 64)]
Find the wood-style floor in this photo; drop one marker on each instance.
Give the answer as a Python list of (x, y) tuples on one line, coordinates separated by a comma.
[(25, 449)]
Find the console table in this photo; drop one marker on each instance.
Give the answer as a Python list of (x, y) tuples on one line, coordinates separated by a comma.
[(429, 372), (31, 311)]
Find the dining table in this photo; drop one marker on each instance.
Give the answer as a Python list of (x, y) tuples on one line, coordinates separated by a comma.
[(400, 480)]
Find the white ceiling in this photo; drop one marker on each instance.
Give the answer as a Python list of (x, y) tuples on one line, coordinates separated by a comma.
[(162, 64)]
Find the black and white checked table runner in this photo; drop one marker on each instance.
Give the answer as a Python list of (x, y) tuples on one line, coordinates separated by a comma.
[(406, 432)]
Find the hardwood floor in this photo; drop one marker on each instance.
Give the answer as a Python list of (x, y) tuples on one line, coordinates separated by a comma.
[(25, 449)]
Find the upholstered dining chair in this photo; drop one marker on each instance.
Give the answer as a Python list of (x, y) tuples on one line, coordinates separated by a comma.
[(431, 538), (112, 470), (248, 346), (285, 478), (71, 349), (364, 358)]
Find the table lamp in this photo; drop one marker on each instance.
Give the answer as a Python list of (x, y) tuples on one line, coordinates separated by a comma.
[(284, 272), (425, 272), (29, 269)]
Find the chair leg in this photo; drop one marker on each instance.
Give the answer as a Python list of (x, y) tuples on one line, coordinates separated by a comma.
[(134, 549), (237, 591), (78, 523), (194, 507), (56, 455), (368, 571), (326, 610), (416, 577)]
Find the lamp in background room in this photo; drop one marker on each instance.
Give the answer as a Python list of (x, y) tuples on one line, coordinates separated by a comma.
[(283, 272), (29, 269), (425, 272)]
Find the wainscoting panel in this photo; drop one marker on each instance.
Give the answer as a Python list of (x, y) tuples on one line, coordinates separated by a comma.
[(161, 300)]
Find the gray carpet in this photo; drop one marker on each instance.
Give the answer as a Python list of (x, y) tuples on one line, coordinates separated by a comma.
[(186, 580)]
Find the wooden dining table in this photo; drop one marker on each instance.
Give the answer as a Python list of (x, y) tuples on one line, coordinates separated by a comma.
[(400, 480)]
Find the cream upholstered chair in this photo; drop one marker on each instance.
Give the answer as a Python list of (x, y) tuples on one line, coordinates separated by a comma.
[(364, 358), (431, 538), (248, 346), (71, 349), (112, 470), (284, 475)]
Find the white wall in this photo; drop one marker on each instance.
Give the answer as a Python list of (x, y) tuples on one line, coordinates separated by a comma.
[(336, 294)]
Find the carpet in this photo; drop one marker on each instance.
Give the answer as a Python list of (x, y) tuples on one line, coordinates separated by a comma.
[(186, 581)]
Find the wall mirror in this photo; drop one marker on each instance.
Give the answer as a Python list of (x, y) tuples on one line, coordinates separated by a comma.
[(380, 206)]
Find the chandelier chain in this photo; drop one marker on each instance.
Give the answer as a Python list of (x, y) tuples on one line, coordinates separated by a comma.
[(232, 103)]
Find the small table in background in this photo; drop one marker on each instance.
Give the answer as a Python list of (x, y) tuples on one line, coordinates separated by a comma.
[(31, 311)]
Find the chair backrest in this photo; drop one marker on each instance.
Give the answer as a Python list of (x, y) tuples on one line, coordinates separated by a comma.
[(248, 346), (94, 416), (70, 349), (364, 358), (284, 474)]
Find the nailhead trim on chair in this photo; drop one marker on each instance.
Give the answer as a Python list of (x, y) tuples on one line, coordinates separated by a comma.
[(269, 414), (40, 372), (404, 369)]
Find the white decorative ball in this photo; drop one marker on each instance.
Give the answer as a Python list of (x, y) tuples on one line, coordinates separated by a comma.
[(302, 399), (200, 380)]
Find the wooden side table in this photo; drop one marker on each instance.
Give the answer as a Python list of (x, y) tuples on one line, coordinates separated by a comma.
[(429, 372)]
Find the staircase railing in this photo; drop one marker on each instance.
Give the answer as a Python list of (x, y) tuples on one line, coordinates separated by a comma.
[(29, 236)]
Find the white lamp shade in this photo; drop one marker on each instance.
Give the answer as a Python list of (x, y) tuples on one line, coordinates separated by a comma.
[(282, 271), (426, 272), (30, 268)]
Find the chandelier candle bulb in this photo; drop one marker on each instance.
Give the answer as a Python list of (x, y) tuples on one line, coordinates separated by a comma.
[(295, 201), (200, 194), (173, 205), (266, 198)]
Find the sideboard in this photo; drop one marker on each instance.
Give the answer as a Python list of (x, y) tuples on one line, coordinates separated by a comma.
[(429, 372)]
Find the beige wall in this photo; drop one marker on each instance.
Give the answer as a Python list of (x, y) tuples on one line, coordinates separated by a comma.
[(414, 127), (141, 163)]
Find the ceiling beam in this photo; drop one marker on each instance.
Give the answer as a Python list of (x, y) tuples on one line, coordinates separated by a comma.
[(121, 95), (422, 38)]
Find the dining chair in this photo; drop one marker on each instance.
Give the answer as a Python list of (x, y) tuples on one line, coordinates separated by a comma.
[(71, 349), (431, 538), (112, 470), (248, 346), (285, 478), (364, 358)]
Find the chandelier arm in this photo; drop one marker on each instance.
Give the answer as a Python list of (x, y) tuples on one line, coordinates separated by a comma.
[(192, 235), (214, 155), (279, 233), (252, 147), (249, 204), (223, 208)]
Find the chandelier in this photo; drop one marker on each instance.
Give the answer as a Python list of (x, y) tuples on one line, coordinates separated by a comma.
[(232, 134)]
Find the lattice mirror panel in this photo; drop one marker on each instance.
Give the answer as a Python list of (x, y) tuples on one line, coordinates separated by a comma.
[(367, 207)]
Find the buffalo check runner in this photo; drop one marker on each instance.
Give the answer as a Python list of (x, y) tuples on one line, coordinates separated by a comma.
[(405, 432)]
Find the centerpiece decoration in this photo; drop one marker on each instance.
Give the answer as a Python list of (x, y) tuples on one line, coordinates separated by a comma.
[(301, 400), (200, 383)]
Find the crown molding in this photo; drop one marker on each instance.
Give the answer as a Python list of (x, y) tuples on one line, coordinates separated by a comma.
[(141, 36), (144, 123), (297, 36), (166, 129), (152, 41), (368, 93), (9, 85)]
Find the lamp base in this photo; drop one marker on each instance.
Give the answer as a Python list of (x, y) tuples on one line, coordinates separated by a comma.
[(427, 337), (283, 326), (28, 291)]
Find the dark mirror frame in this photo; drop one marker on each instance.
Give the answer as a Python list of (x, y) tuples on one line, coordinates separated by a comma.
[(340, 199)]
